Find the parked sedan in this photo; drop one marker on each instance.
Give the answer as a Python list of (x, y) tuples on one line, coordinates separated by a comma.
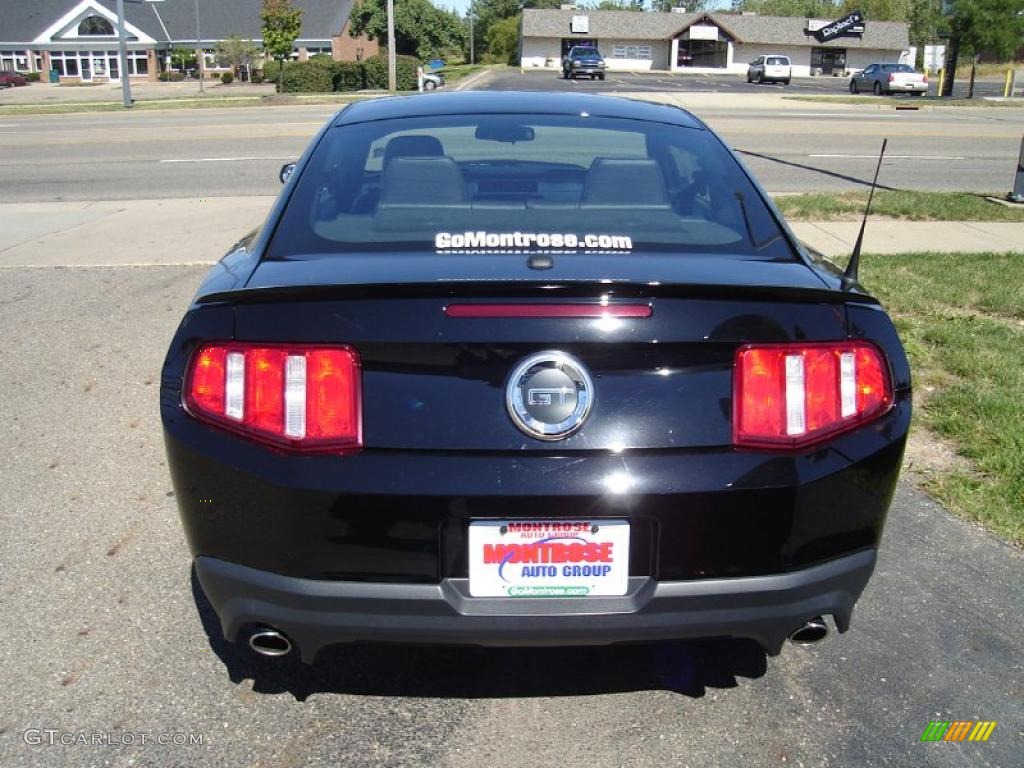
[(529, 369), (10, 79), (770, 69), (889, 78)]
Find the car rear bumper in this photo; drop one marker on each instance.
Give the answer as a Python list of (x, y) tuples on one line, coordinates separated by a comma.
[(908, 87), (316, 613)]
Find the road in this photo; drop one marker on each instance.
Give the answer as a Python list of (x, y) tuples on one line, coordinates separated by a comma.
[(105, 632), (791, 147)]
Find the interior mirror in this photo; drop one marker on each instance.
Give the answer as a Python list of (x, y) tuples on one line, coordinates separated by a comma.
[(286, 172)]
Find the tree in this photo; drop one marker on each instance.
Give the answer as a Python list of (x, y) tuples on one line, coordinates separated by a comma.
[(808, 9), (986, 26), (281, 27), (616, 5), (503, 40), (421, 29), (182, 58), (237, 53)]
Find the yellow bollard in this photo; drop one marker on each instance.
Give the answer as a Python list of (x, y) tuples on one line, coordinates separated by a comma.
[(942, 80), (1008, 85)]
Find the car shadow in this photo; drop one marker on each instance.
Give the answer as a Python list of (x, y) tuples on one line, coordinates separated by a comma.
[(465, 672)]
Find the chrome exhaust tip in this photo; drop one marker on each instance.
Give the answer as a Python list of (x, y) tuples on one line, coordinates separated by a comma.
[(269, 642), (811, 632)]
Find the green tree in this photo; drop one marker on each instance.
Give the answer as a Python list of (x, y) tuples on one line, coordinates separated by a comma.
[(808, 9), (490, 12), (503, 40), (421, 28), (237, 53), (183, 58), (281, 27), (994, 27)]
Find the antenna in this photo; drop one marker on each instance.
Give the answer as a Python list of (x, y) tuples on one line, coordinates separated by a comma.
[(850, 275)]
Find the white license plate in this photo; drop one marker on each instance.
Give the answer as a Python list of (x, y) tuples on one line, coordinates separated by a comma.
[(554, 558)]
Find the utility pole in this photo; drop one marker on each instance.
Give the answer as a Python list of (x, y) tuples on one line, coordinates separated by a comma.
[(200, 55), (392, 61), (122, 55), (472, 42)]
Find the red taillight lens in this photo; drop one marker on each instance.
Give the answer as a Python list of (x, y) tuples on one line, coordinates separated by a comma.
[(792, 395), (892, 77), (296, 396)]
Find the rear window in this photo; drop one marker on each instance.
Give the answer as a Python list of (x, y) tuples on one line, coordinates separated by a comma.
[(897, 68), (524, 183), (777, 60)]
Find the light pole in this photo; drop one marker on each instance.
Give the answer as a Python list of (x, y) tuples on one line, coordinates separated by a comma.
[(392, 62), (122, 55), (200, 56), (472, 43)]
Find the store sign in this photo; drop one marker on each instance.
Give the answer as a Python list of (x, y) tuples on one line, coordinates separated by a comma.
[(703, 32), (850, 25), (580, 25)]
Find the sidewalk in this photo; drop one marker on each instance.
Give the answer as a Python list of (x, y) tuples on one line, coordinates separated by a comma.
[(199, 231)]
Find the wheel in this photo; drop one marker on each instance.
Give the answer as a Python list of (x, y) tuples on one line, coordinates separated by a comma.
[(429, 85), (853, 87), (601, 78), (915, 93), (565, 74), (786, 81), (760, 78), (748, 77), (877, 88), (592, 77)]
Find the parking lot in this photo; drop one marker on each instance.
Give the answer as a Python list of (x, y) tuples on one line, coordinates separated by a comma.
[(551, 80), (111, 648)]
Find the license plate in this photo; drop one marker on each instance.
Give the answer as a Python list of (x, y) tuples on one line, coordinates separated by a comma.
[(556, 558)]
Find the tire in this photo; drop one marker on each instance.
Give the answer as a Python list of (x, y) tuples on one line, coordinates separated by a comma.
[(593, 76), (853, 87), (429, 85), (565, 74), (877, 88), (748, 78), (601, 78), (760, 78), (786, 81), (915, 93)]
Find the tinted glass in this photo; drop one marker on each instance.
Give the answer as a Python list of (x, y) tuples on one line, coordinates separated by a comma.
[(404, 185), (897, 68), (577, 52), (778, 60)]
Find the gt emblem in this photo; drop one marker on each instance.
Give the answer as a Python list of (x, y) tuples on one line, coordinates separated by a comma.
[(549, 395)]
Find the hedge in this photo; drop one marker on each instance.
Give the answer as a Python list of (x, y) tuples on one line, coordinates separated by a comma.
[(321, 75)]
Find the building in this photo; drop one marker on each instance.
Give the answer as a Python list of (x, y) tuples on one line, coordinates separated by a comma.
[(78, 38), (704, 42)]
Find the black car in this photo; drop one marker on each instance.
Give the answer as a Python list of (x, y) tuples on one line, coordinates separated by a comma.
[(529, 369), (583, 60)]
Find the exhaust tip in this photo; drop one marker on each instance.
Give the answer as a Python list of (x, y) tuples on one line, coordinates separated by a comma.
[(269, 642), (809, 633)]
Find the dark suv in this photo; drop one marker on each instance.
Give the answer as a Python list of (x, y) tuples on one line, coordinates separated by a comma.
[(583, 60)]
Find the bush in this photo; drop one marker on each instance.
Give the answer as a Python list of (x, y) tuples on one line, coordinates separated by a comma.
[(376, 69), (348, 75), (171, 77), (33, 77), (257, 76), (227, 78), (304, 77)]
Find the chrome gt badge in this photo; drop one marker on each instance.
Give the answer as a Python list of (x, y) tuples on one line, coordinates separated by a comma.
[(549, 395)]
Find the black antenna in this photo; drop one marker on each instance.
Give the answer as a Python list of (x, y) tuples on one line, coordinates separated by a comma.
[(850, 275)]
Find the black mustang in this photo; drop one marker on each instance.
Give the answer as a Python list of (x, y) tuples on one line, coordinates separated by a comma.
[(528, 369)]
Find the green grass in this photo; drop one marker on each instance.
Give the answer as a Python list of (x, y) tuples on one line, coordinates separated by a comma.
[(898, 204), (961, 317), (898, 101), (210, 102)]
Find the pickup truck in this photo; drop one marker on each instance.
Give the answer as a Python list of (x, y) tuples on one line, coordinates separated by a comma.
[(583, 60)]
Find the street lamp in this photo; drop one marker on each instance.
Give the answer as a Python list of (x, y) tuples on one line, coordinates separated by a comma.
[(200, 54)]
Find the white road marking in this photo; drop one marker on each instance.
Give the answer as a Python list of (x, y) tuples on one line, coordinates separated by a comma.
[(896, 157), (223, 159)]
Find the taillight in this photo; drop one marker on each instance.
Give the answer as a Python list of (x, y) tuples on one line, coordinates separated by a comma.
[(301, 397), (792, 395), (924, 78), (892, 77)]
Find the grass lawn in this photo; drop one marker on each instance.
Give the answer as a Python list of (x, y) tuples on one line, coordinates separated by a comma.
[(961, 317), (209, 102), (898, 204)]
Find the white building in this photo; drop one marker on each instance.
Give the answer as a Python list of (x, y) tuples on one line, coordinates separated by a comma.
[(704, 42)]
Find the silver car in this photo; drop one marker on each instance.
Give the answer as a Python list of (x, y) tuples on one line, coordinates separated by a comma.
[(889, 78), (770, 68)]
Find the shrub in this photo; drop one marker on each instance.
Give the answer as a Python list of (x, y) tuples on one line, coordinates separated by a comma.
[(33, 77), (227, 77), (348, 75), (257, 76), (304, 77), (171, 77), (376, 69)]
